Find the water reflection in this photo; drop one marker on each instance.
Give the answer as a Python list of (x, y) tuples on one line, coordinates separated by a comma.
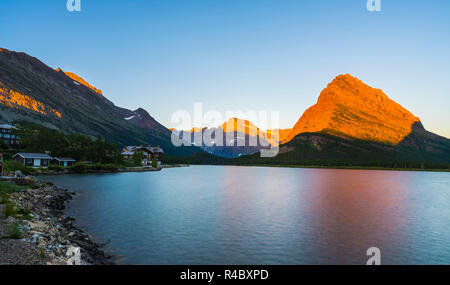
[(260, 215)]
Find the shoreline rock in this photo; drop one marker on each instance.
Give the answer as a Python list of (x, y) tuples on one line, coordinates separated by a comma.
[(47, 231)]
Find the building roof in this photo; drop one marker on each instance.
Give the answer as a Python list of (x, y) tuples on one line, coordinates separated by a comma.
[(33, 155), (156, 149), (64, 159), (6, 126), (131, 149)]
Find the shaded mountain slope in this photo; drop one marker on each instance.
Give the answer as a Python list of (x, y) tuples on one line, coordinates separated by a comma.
[(28, 86)]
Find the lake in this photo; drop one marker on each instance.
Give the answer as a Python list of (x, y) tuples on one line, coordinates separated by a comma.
[(265, 215)]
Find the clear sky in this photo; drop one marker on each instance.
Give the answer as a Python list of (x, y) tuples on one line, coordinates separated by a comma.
[(166, 55)]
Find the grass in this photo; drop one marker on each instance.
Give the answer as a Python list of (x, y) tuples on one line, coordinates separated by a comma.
[(8, 187), (11, 210), (14, 231), (56, 167), (12, 165), (42, 254), (24, 213), (83, 168)]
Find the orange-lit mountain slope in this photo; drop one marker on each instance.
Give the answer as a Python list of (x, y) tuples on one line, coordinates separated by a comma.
[(17, 100), (80, 80), (279, 134), (348, 106)]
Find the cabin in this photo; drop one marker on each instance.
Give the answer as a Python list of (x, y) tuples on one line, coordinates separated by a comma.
[(149, 153), (33, 159), (7, 135), (62, 161)]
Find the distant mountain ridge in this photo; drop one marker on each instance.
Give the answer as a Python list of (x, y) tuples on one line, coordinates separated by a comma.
[(31, 91), (233, 138)]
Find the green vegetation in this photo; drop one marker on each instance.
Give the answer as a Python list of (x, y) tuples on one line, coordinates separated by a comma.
[(25, 213), (154, 163), (36, 138), (56, 167), (42, 255), (14, 231), (7, 188), (328, 151), (12, 165), (137, 158), (11, 210), (81, 167)]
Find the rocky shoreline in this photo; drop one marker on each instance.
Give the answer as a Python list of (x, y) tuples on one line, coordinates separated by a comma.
[(46, 233)]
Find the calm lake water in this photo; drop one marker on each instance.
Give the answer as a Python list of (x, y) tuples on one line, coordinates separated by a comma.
[(262, 215)]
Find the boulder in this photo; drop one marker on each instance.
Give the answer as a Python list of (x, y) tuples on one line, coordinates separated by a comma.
[(10, 220)]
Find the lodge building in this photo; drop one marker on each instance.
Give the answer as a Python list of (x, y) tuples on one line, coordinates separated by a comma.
[(149, 153), (42, 160), (7, 135)]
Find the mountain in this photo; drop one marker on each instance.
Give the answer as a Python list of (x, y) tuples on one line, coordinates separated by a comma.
[(234, 138), (77, 79), (279, 135), (31, 91), (355, 124), (350, 107)]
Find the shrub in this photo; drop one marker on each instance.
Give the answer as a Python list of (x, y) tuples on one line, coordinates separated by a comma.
[(56, 167), (26, 214), (14, 231), (79, 167), (102, 166), (83, 168), (12, 165), (42, 255), (137, 158), (154, 163), (8, 187), (11, 210)]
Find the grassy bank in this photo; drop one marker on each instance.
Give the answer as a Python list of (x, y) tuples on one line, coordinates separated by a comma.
[(11, 166), (10, 209), (80, 167)]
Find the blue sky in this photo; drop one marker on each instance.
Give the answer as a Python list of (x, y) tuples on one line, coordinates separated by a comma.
[(166, 55)]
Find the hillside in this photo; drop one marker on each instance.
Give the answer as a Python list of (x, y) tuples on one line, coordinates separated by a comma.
[(31, 91)]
